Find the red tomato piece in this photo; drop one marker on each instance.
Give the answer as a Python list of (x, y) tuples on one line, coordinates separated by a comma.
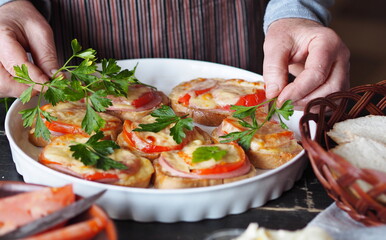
[(184, 99), (101, 176), (134, 140), (63, 127), (143, 99), (219, 168), (252, 99)]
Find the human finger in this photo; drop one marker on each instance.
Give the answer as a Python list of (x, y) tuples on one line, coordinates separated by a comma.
[(13, 54), (275, 66), (316, 70), (8, 86), (338, 80), (42, 48)]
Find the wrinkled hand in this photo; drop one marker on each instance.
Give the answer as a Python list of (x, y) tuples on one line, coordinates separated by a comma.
[(23, 29), (314, 54)]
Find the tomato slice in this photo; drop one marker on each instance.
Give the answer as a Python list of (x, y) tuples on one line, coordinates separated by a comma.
[(184, 99), (101, 176), (252, 99), (145, 145), (63, 127), (249, 100), (75, 129), (223, 167), (219, 168), (143, 99)]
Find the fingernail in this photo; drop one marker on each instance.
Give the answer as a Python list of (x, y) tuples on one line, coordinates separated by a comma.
[(53, 71), (271, 90)]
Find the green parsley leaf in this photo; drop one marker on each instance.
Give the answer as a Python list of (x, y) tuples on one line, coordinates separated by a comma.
[(110, 67), (73, 83), (75, 46), (206, 153), (177, 131), (26, 95), (28, 116), (41, 130), (86, 54), (242, 113), (92, 121), (96, 153), (74, 91), (22, 75), (86, 67), (165, 116), (99, 101), (82, 152), (286, 110), (56, 91)]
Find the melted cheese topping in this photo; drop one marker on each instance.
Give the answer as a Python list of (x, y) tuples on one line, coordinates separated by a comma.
[(58, 152), (161, 138), (174, 157), (223, 92), (73, 113), (134, 92), (271, 135)]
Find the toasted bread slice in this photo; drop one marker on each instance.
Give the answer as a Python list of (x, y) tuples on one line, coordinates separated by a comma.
[(163, 180), (69, 116), (371, 127), (208, 100), (141, 100), (151, 144), (271, 146), (182, 169), (57, 155)]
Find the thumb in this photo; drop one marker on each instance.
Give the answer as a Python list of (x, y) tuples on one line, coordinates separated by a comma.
[(43, 52)]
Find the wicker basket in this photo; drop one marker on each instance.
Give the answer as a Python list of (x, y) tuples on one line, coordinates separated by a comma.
[(338, 176)]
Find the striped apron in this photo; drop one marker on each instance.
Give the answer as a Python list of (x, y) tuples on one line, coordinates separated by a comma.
[(223, 31)]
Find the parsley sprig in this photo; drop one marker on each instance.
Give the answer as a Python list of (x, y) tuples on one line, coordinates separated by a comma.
[(85, 81), (165, 116), (95, 153), (242, 113), (206, 153), (75, 82)]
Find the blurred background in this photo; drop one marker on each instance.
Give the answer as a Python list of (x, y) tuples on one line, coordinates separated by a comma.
[(362, 26)]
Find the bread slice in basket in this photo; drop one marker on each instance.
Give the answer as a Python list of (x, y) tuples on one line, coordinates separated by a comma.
[(371, 126), (362, 142), (363, 153)]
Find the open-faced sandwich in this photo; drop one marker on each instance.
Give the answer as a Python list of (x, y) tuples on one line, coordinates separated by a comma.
[(270, 145), (200, 165), (151, 142), (140, 101), (208, 100), (101, 101), (68, 120), (121, 167)]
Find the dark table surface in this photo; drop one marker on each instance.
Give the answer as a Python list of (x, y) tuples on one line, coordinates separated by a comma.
[(293, 210)]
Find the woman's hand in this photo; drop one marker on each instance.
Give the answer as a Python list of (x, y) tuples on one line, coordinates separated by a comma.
[(23, 29), (314, 54)]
